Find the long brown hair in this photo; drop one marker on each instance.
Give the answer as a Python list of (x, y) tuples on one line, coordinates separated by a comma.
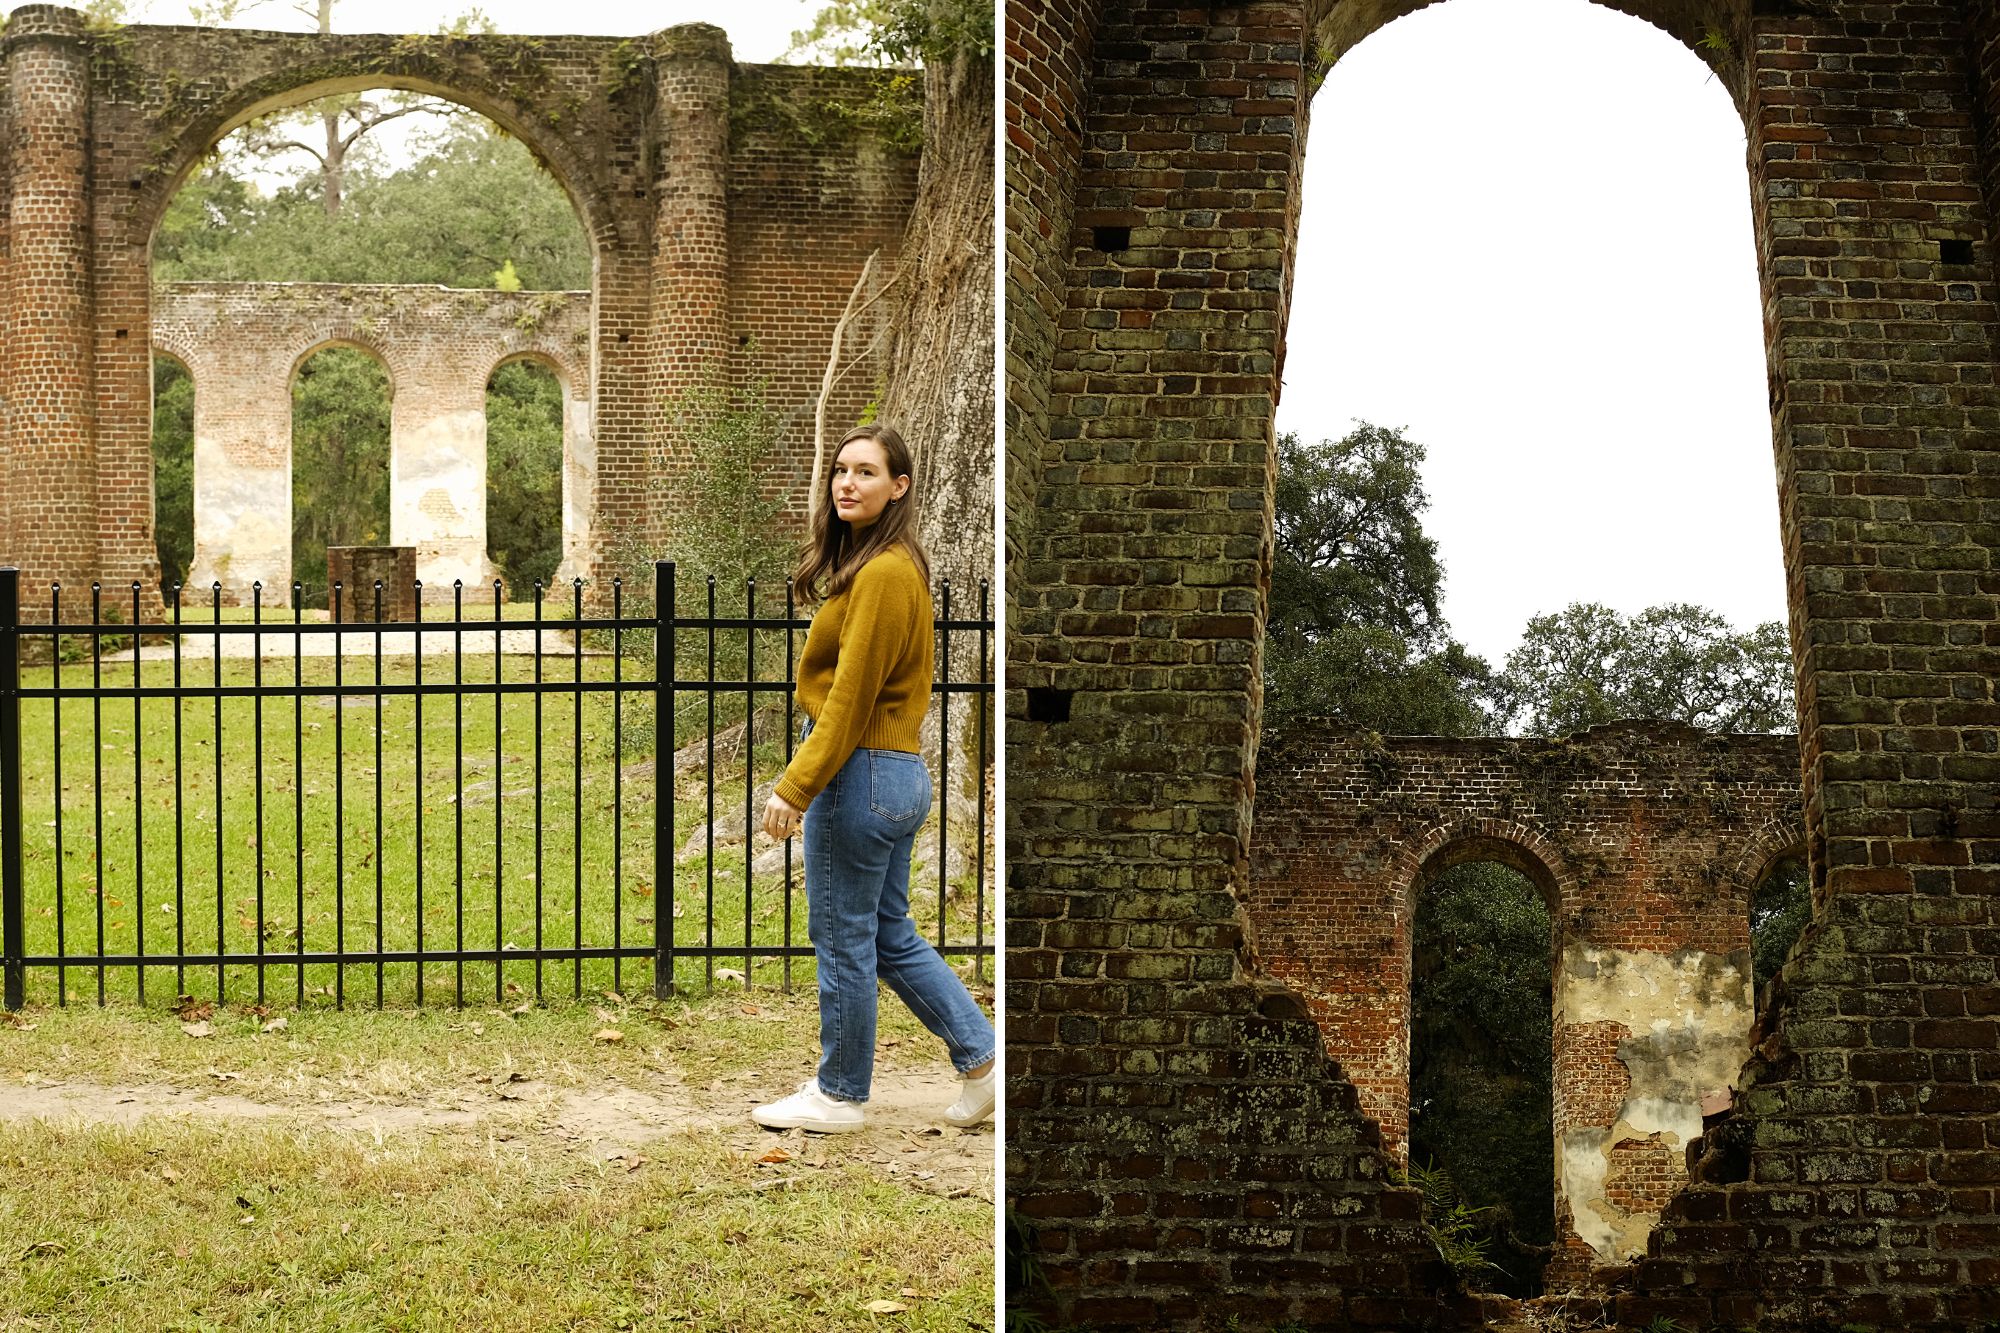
[(833, 554)]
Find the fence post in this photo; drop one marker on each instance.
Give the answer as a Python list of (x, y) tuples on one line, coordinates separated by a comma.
[(663, 778), (13, 934)]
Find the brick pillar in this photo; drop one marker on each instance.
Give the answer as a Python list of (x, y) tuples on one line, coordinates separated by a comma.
[(243, 473), (437, 473), (52, 463), (1855, 1183), (1177, 1142), (690, 298)]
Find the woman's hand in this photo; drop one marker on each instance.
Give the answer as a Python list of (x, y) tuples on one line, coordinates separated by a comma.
[(781, 818)]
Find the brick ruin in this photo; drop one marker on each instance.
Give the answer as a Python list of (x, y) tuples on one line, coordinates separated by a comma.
[(1181, 1146), (243, 342), (1646, 841), (729, 206)]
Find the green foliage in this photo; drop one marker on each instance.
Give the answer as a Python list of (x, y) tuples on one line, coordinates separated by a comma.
[(1588, 665), (340, 463), (505, 279), (1780, 909), (173, 469), (473, 204), (1454, 1225), (1481, 1098), (725, 508), (1353, 627), (896, 32), (524, 423)]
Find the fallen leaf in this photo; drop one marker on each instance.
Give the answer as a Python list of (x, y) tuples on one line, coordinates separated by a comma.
[(912, 1293), (513, 988), (610, 1036), (346, 1227), (190, 1010), (44, 1247), (614, 997), (737, 1237), (775, 1156), (223, 1075), (885, 1307), (752, 1009), (477, 1029), (728, 974), (522, 1008), (183, 1251), (167, 1173), (201, 1029), (247, 1220), (276, 1025)]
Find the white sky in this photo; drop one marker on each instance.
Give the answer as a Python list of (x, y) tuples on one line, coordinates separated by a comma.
[(1527, 238)]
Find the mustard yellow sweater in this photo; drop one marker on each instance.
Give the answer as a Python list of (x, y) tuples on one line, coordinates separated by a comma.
[(865, 675)]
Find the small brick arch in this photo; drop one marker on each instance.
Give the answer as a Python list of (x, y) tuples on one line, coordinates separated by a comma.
[(1457, 840), (325, 339)]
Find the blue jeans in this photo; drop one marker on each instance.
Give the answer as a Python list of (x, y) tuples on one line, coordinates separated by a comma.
[(858, 834)]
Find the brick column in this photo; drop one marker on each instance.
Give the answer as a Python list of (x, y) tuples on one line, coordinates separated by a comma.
[(690, 324), (52, 464), (1855, 1183), (243, 472), (1177, 1142), (437, 472)]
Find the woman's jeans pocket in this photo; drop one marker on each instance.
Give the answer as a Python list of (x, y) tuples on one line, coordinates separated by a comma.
[(899, 786)]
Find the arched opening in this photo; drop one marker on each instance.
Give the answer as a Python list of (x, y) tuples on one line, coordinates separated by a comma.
[(273, 242), (340, 460), (173, 470), (524, 473), (1489, 264), (1481, 1059), (1781, 907)]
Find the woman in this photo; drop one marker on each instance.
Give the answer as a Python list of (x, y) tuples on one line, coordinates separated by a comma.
[(858, 789)]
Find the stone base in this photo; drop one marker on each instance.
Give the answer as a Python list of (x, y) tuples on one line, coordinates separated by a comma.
[(352, 573)]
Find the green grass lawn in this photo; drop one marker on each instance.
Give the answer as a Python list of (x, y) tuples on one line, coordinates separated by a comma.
[(506, 822), (285, 1219)]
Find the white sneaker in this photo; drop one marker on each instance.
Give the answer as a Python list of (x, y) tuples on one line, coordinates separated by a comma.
[(810, 1109), (975, 1099)]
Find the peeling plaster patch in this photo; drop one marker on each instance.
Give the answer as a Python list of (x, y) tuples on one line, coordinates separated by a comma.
[(1687, 1019), (437, 505)]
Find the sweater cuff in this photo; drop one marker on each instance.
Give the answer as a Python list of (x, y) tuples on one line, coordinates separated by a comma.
[(790, 791)]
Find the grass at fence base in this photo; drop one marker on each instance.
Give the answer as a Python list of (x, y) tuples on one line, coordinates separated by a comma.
[(289, 1224), (479, 801)]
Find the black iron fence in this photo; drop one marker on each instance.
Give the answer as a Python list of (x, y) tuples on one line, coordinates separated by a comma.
[(518, 791)]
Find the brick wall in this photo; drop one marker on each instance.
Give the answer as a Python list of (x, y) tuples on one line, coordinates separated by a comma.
[(1647, 841), (643, 133), (1855, 1179), (243, 342)]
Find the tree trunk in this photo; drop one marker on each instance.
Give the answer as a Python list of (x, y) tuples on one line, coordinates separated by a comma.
[(332, 165), (940, 395), (940, 381)]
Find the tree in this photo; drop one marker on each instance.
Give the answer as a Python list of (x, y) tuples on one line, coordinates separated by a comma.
[(340, 461), (471, 204), (1353, 627), (524, 431), (939, 386), (173, 470), (342, 119), (1481, 1090), (1587, 665)]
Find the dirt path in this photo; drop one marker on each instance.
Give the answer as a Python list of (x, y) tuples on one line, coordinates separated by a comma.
[(905, 1139)]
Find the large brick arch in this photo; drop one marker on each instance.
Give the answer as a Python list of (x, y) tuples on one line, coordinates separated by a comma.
[(1156, 1077), (728, 206)]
